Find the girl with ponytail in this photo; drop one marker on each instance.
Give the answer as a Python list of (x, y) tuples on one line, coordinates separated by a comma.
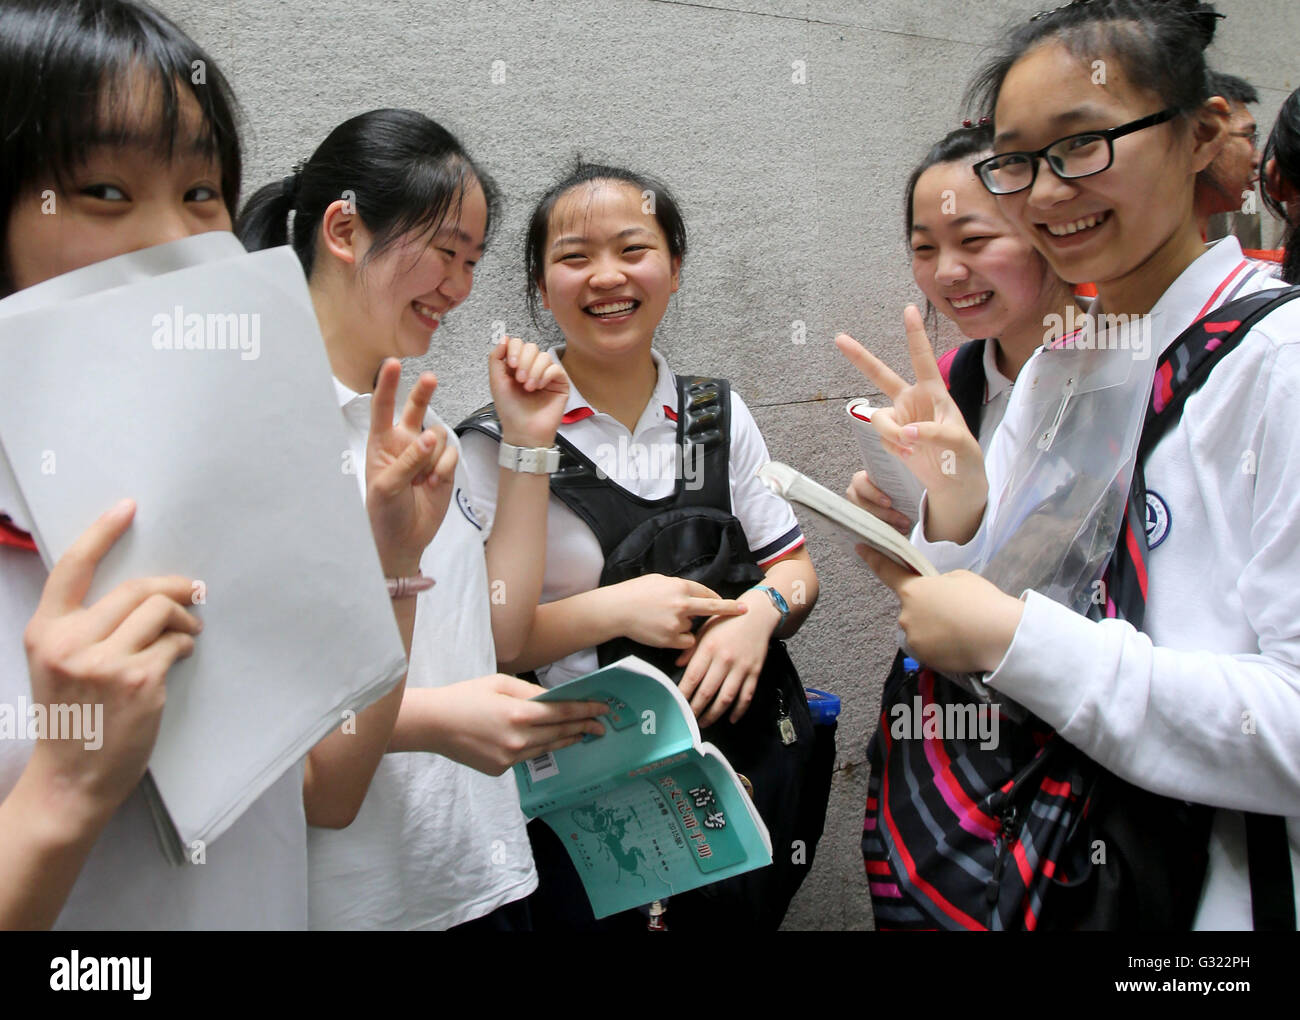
[(389, 217)]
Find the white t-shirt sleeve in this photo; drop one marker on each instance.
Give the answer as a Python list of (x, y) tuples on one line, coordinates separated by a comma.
[(479, 454), (769, 521), (1209, 725)]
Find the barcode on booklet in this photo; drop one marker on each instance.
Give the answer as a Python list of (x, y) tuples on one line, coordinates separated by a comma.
[(542, 767)]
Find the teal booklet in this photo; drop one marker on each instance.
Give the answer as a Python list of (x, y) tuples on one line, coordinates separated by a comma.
[(648, 809)]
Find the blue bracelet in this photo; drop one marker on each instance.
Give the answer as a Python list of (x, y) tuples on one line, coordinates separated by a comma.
[(778, 600)]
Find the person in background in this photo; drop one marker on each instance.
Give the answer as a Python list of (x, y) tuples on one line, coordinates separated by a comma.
[(1281, 181)]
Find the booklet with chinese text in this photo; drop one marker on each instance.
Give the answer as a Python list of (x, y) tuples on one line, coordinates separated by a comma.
[(647, 810)]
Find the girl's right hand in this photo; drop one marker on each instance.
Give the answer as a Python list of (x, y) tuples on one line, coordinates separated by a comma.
[(115, 653), (658, 611), (861, 492), (492, 722), (410, 472), (529, 389), (926, 429)]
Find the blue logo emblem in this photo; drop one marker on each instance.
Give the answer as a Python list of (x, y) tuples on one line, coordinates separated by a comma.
[(467, 508), (1157, 525)]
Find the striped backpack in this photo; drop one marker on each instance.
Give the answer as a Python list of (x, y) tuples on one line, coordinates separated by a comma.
[(1033, 834)]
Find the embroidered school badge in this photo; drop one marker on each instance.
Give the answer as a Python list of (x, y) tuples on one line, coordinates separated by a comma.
[(467, 508), (1157, 525)]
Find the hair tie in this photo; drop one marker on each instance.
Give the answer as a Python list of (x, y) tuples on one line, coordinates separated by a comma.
[(983, 122), (293, 182)]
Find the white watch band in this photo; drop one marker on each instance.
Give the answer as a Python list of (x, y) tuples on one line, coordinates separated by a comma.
[(530, 460)]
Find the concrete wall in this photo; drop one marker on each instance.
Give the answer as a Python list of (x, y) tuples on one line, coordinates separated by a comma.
[(786, 128)]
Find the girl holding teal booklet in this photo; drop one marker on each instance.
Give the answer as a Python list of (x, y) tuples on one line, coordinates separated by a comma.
[(390, 216)]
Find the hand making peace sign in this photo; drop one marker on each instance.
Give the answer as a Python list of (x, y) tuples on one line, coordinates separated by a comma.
[(410, 472), (925, 428)]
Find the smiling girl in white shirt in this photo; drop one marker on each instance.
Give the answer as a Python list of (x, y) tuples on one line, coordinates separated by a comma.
[(1167, 707), (604, 253), (390, 217)]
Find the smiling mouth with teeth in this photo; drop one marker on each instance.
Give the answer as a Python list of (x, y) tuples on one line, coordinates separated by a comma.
[(1075, 226), (424, 311), (971, 300), (611, 309)]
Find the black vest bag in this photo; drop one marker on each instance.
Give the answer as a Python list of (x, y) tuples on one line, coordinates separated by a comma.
[(693, 534)]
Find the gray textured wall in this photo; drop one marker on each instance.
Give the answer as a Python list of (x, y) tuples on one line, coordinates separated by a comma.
[(791, 190)]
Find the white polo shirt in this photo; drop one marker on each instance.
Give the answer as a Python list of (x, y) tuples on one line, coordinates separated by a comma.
[(997, 394), (254, 876), (643, 461), (435, 843), (1204, 703)]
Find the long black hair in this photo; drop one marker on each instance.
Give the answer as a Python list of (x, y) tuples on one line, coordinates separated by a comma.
[(1284, 146), (67, 68), (666, 212), (403, 171)]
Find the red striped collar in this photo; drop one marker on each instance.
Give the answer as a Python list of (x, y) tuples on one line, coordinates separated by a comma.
[(579, 413)]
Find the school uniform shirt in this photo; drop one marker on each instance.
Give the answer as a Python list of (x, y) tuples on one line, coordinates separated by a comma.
[(643, 461), (435, 842), (1204, 703), (253, 877), (997, 390)]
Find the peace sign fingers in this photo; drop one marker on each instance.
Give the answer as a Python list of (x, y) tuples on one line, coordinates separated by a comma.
[(885, 378)]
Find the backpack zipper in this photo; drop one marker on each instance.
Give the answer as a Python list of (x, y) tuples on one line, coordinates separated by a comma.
[(1009, 821)]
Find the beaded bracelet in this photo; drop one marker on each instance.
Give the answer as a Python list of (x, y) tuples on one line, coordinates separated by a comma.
[(405, 587)]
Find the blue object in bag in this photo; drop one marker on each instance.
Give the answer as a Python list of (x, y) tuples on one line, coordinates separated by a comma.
[(824, 707)]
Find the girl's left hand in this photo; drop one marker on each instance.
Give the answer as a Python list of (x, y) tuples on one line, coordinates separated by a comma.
[(529, 389), (723, 667), (956, 622), (410, 472)]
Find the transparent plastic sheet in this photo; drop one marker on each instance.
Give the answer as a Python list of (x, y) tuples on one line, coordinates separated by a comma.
[(1057, 515)]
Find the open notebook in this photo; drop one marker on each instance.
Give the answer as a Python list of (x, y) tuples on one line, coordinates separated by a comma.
[(850, 523), (192, 378)]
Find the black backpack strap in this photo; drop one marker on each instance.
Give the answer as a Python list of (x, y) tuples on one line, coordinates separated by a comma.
[(1272, 888), (483, 420), (966, 383), (578, 482), (609, 510), (1188, 361), (1183, 368), (704, 437), (703, 444)]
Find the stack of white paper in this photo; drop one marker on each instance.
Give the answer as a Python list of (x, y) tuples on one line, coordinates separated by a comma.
[(192, 378)]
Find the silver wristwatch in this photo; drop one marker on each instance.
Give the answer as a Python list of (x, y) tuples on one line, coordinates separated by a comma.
[(531, 460)]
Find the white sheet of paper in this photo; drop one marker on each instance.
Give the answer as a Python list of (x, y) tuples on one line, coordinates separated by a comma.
[(236, 463)]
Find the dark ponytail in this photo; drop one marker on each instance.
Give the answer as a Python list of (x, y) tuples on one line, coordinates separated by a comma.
[(1284, 146), (403, 172), (264, 222)]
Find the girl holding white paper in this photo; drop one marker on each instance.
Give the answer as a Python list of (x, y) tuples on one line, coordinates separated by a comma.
[(140, 157), (1101, 177), (439, 841)]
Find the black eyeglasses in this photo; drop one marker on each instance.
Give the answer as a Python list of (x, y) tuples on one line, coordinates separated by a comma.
[(1081, 155), (1252, 135)]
